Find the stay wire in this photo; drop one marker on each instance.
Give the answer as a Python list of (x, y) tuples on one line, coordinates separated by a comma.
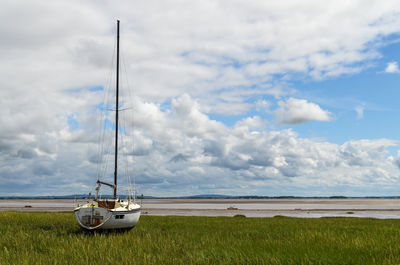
[(131, 122), (103, 116)]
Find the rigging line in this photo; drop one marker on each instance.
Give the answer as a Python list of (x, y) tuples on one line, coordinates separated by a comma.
[(128, 120), (107, 90), (126, 165), (124, 149), (101, 140), (123, 129), (106, 145), (130, 97), (107, 154), (104, 171), (123, 125), (131, 119), (102, 116), (110, 93)]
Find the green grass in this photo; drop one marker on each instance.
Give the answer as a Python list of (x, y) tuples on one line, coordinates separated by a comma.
[(55, 238)]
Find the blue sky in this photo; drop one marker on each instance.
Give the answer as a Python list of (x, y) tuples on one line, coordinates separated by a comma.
[(373, 91), (238, 97), (364, 105)]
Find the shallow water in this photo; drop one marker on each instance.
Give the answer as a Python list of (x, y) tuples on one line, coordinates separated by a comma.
[(309, 208)]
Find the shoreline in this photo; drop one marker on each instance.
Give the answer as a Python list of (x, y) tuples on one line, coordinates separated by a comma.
[(303, 208)]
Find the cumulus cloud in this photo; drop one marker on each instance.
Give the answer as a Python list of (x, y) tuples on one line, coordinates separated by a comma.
[(392, 68), (251, 123), (293, 111), (197, 59), (180, 149), (243, 46)]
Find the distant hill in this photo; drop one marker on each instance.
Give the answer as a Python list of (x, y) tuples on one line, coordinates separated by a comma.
[(200, 196)]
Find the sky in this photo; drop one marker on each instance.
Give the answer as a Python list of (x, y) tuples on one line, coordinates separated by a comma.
[(272, 98)]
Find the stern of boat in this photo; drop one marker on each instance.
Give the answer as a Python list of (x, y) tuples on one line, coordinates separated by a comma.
[(107, 215)]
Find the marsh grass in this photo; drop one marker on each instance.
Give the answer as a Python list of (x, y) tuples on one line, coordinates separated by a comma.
[(54, 238)]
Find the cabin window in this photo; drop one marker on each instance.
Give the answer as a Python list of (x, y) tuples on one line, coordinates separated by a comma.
[(119, 216)]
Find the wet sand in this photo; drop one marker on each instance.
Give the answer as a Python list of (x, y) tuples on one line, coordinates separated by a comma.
[(307, 208)]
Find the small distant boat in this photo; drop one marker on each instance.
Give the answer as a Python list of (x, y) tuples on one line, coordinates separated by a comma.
[(112, 213)]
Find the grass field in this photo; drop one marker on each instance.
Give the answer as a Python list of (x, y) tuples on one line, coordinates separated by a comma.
[(54, 238)]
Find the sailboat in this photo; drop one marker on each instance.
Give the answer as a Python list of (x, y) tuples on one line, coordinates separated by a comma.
[(113, 213)]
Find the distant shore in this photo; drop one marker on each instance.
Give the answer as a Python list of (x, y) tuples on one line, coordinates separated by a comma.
[(308, 208)]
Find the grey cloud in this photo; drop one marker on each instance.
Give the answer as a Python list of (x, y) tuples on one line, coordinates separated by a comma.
[(261, 160), (232, 162), (290, 172), (179, 158), (93, 158), (145, 178), (397, 162), (213, 148), (26, 153), (41, 170), (5, 147)]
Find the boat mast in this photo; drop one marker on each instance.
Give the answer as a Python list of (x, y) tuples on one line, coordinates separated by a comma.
[(116, 116)]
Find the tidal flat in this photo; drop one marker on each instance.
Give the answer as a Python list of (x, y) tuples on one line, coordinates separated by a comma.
[(55, 238), (385, 208)]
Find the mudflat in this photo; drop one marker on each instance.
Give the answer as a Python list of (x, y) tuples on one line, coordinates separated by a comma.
[(309, 208)]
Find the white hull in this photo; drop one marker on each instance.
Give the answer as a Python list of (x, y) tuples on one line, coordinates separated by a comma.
[(93, 216)]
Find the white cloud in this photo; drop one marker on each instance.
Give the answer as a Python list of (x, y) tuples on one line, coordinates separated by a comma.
[(182, 151), (202, 57), (294, 111), (392, 68), (360, 112), (263, 105)]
